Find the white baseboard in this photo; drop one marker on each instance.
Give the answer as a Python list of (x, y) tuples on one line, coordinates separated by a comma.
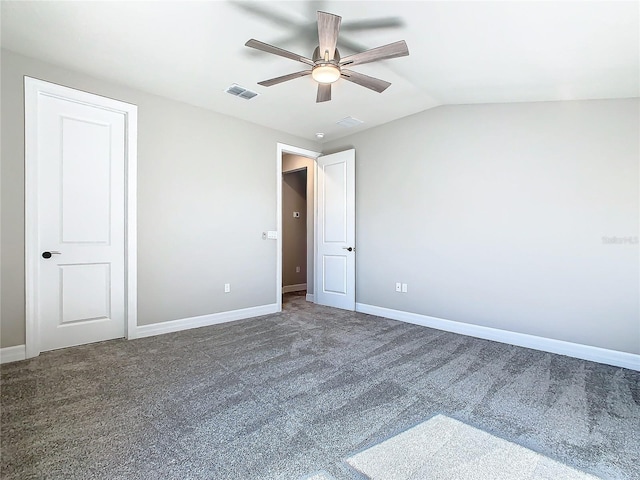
[(584, 352), (204, 320), (13, 354), (311, 297), (294, 288)]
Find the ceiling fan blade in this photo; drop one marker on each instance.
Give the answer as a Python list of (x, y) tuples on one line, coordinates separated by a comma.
[(265, 47), (390, 22), (324, 92), (266, 14), (328, 28), (372, 83), (393, 50), (284, 78)]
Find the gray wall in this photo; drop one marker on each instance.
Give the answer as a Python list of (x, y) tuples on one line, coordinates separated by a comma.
[(295, 162), (294, 230), (205, 195), (495, 215)]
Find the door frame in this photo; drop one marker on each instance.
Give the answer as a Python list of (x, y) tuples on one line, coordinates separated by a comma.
[(283, 148), (33, 89)]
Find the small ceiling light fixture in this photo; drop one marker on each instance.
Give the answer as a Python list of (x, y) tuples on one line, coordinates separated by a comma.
[(326, 73), (319, 135)]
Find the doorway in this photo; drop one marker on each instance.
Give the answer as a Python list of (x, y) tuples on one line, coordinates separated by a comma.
[(331, 262), (294, 162), (295, 199)]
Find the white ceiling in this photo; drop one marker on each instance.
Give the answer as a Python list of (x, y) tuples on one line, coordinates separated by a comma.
[(460, 53)]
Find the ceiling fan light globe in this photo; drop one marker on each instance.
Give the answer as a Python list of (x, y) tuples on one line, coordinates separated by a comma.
[(325, 73)]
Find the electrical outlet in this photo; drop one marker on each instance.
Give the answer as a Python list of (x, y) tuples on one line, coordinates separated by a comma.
[(404, 288), (227, 287), (398, 287), (297, 269)]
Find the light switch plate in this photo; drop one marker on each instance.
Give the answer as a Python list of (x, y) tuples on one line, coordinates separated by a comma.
[(272, 235)]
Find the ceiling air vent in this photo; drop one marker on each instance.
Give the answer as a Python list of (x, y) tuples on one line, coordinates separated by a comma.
[(349, 122), (238, 91)]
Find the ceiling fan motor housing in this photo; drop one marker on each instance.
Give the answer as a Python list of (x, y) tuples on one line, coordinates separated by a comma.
[(318, 57)]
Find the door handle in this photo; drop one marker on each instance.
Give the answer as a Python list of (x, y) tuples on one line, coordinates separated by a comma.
[(350, 249), (48, 254)]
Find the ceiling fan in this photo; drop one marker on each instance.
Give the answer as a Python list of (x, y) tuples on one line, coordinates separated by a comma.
[(326, 64)]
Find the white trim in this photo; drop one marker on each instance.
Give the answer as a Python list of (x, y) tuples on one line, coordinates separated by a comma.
[(33, 88), (310, 298), (315, 228), (131, 227), (32, 333), (294, 288), (561, 347), (204, 320), (280, 150), (13, 354)]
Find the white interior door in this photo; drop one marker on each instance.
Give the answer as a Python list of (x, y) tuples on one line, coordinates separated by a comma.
[(77, 179), (336, 257)]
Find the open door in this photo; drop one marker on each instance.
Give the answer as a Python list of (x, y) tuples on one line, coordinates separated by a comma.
[(336, 258)]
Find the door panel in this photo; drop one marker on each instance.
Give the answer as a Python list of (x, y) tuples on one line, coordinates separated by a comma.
[(81, 220), (85, 292), (87, 220), (335, 279), (334, 202), (335, 276)]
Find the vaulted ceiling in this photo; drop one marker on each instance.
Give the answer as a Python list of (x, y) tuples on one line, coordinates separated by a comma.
[(460, 53)]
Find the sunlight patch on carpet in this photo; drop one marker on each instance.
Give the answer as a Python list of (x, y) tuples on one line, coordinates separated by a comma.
[(444, 448)]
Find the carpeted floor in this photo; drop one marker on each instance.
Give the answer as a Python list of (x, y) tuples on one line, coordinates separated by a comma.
[(442, 448), (290, 395)]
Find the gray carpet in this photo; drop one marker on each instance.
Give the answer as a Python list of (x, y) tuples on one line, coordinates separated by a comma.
[(290, 395)]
